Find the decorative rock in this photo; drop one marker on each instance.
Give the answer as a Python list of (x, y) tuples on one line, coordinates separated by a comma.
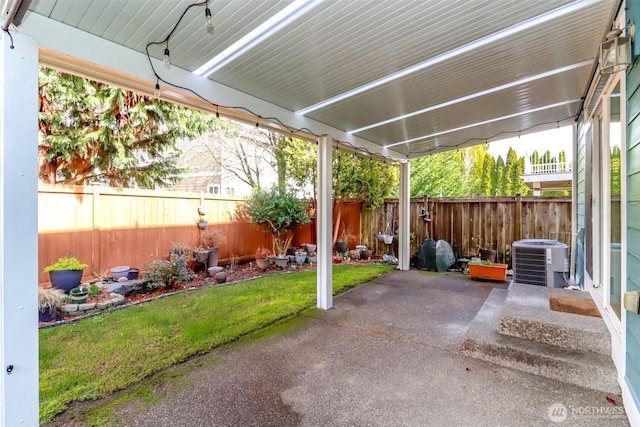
[(444, 256), (93, 312), (125, 288), (116, 299), (87, 306), (76, 313), (68, 308), (103, 305)]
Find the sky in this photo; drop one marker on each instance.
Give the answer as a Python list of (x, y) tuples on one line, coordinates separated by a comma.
[(554, 140)]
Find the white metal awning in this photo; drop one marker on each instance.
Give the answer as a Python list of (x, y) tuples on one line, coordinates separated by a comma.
[(402, 78)]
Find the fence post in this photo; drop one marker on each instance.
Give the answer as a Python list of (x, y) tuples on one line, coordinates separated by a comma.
[(517, 226)]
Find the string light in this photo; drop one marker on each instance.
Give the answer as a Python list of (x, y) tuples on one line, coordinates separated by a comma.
[(207, 14), (275, 120)]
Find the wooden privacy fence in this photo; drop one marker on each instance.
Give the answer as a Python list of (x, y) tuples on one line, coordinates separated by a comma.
[(106, 227), (497, 221)]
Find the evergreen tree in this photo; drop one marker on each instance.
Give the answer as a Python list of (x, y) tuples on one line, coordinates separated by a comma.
[(446, 172), (511, 183), (92, 132), (488, 166)]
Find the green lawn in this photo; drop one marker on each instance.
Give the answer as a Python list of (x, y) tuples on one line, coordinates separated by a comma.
[(97, 356)]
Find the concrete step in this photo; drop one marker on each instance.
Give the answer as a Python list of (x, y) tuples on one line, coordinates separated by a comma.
[(583, 368), (526, 314)]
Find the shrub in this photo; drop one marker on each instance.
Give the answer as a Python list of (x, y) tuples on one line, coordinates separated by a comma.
[(279, 211), (161, 273), (48, 297), (65, 263), (213, 238)]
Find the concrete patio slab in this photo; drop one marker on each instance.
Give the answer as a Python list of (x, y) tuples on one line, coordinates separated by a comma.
[(387, 354)]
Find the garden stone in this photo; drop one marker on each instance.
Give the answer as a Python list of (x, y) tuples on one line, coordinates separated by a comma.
[(128, 287), (68, 308), (116, 298), (93, 311), (87, 306), (76, 314), (104, 305)]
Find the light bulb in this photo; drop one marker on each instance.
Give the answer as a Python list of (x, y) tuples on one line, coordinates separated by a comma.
[(207, 14), (167, 58), (157, 92)]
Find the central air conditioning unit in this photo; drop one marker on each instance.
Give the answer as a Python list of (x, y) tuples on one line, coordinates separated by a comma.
[(540, 262)]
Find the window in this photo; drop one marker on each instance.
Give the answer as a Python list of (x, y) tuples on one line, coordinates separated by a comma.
[(213, 189), (230, 191)]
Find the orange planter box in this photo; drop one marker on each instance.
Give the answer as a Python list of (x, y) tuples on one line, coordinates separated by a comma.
[(489, 272)]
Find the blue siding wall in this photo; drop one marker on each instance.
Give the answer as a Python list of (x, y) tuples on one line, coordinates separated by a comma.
[(633, 208)]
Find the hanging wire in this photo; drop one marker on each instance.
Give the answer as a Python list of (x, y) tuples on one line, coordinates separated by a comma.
[(279, 122)]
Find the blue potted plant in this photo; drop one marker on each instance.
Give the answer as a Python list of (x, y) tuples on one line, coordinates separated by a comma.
[(65, 273)]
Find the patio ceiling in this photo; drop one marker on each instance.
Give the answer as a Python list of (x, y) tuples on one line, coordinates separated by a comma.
[(426, 75)]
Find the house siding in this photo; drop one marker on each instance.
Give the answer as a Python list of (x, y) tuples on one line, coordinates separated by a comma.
[(632, 356), (580, 175)]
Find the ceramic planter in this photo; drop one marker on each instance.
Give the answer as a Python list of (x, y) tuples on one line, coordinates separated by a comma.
[(366, 254), (46, 314), (342, 247), (263, 264), (311, 248), (133, 274), (282, 261), (221, 277), (201, 256), (213, 257), (79, 295), (497, 272), (214, 270), (65, 279), (488, 254), (301, 257), (119, 272)]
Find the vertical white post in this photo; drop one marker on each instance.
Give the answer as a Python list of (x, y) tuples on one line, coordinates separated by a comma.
[(18, 230), (404, 215), (324, 223)]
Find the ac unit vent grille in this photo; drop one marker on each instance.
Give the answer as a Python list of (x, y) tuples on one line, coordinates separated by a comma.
[(540, 262), (529, 266)]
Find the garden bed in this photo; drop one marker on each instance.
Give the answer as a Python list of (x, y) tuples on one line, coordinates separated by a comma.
[(110, 301)]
